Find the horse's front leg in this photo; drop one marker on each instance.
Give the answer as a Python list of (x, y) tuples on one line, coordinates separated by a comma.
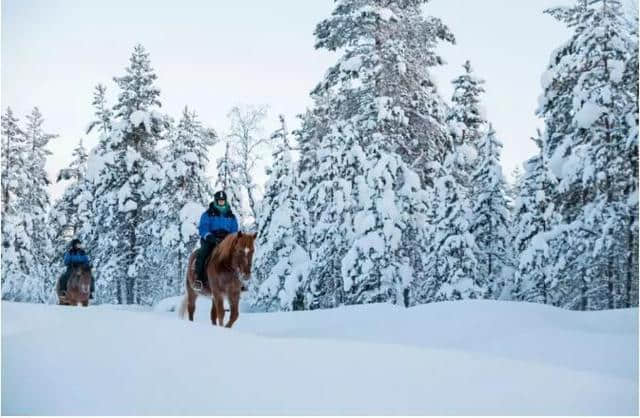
[(85, 303), (214, 315), (218, 300), (234, 302)]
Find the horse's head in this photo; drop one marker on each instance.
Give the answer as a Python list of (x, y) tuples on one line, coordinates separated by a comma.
[(81, 278), (243, 253)]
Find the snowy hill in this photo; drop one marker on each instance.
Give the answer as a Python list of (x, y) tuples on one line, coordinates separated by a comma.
[(480, 357)]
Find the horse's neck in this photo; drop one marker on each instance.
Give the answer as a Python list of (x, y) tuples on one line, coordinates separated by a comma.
[(73, 282)]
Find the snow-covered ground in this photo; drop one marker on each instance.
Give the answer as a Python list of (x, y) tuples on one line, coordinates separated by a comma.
[(474, 357)]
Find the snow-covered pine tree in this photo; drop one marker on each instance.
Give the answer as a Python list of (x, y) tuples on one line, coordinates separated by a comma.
[(466, 123), (630, 80), (513, 188), (103, 113), (66, 208), (125, 175), (584, 107), (389, 48), (281, 262), (490, 224), (13, 161), (451, 264), (389, 244), (382, 120), (87, 203), (36, 200), (16, 266), (26, 235), (173, 214), (533, 212), (329, 202), (313, 126)]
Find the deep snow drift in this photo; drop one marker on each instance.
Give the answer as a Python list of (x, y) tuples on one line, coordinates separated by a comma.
[(474, 357)]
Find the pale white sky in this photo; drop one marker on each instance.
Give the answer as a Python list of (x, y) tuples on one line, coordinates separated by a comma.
[(212, 55)]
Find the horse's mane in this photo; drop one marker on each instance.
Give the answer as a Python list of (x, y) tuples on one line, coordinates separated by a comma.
[(82, 267), (222, 255)]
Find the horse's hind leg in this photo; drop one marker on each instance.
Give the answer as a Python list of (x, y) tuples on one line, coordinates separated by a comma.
[(191, 302), (234, 301)]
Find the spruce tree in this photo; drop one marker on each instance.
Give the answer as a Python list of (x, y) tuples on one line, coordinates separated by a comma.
[(26, 237), (172, 215), (533, 218), (466, 123), (330, 205), (451, 264), (16, 268), (13, 162), (281, 262), (585, 105), (389, 48), (490, 224), (128, 177), (380, 122), (37, 201)]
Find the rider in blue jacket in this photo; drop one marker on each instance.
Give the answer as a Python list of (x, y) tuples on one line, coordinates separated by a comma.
[(215, 224), (73, 256)]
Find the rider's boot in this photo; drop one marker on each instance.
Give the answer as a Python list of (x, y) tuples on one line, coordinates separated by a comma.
[(63, 282), (200, 261)]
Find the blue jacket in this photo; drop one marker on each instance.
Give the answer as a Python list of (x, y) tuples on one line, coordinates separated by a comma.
[(75, 257), (213, 221)]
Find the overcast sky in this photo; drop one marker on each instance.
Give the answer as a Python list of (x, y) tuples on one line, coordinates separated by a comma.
[(212, 55)]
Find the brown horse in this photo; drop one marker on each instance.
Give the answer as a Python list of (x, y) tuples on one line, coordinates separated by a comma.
[(78, 287), (227, 269)]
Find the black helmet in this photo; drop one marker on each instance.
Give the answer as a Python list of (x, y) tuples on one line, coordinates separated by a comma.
[(75, 242), (220, 195)]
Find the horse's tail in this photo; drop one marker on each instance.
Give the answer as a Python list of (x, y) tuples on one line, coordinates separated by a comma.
[(183, 306)]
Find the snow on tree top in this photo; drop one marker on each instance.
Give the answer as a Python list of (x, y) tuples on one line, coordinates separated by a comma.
[(141, 117), (383, 12)]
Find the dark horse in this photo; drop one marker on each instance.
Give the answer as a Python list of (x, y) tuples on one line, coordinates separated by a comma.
[(227, 269), (78, 287)]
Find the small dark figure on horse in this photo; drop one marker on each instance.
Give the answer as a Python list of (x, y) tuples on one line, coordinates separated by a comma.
[(76, 285)]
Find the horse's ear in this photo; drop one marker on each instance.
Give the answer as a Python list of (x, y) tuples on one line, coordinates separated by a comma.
[(239, 234), (255, 235)]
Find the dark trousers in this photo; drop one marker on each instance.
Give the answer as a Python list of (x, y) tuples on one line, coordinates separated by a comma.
[(64, 279), (206, 247)]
